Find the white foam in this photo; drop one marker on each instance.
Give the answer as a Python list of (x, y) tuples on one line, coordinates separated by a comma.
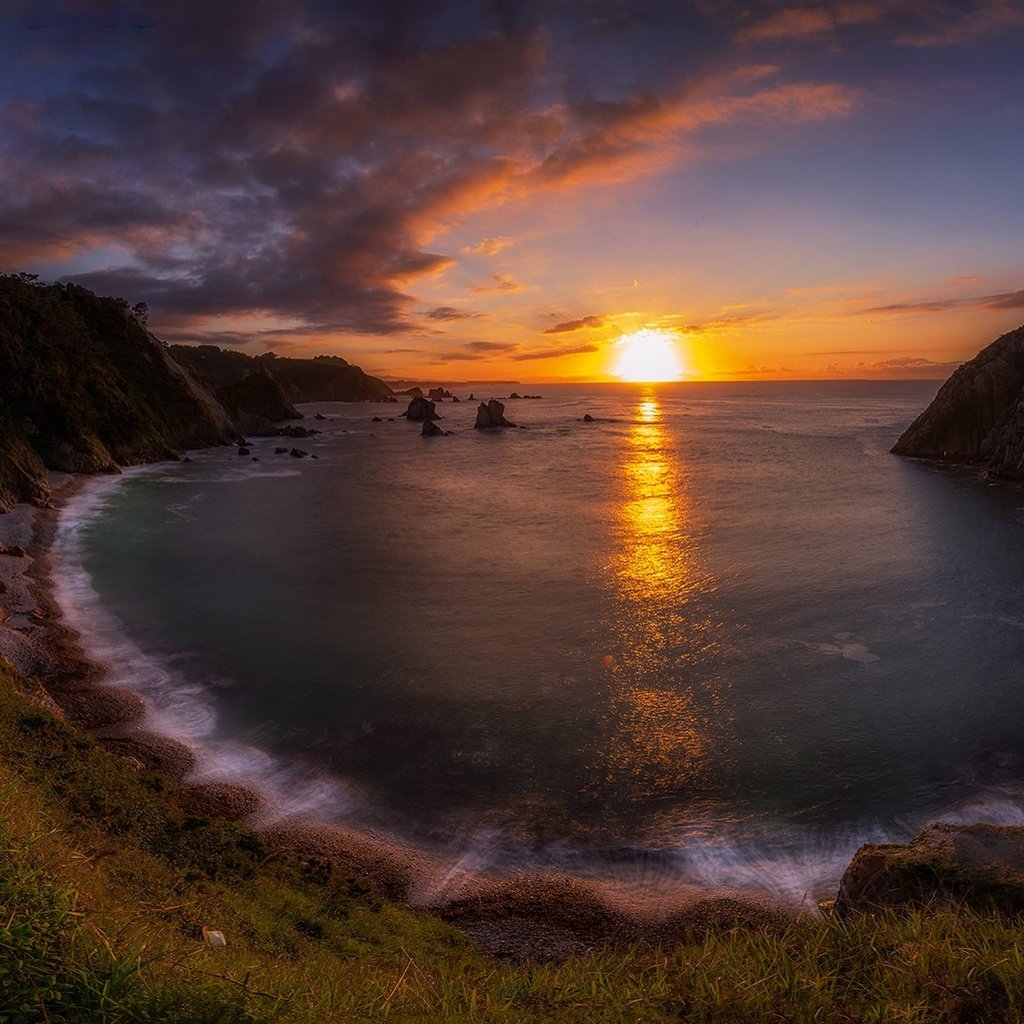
[(174, 705)]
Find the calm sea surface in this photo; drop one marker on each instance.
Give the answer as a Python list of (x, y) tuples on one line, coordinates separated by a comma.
[(720, 627)]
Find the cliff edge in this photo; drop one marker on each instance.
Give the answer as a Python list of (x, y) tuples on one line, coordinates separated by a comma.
[(978, 414)]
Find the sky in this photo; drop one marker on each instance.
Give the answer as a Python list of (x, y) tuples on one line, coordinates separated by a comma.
[(500, 190)]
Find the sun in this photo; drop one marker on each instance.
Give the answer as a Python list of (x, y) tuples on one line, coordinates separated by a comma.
[(647, 356)]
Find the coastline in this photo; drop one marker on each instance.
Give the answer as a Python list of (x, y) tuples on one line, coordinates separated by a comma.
[(527, 914)]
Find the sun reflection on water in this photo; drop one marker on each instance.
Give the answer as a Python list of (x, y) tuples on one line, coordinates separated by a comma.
[(664, 712)]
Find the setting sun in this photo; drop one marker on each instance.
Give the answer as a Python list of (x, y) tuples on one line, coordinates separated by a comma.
[(646, 356)]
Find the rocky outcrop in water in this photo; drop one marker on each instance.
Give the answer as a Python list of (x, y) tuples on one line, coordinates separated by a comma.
[(981, 866), (978, 414), (421, 409), (431, 429), (491, 415)]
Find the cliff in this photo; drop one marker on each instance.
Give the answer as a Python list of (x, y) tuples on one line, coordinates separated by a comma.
[(84, 388), (322, 379), (978, 414)]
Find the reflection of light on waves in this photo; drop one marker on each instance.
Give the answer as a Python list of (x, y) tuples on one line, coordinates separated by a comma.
[(660, 736), (174, 706)]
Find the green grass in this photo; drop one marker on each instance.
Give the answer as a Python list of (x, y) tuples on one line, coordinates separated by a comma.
[(105, 886)]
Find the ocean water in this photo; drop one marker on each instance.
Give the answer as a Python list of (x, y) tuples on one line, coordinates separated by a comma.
[(719, 634)]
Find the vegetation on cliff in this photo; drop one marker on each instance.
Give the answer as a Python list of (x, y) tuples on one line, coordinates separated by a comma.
[(85, 388), (978, 414), (321, 379)]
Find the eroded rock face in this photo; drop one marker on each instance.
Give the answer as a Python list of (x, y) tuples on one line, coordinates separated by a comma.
[(978, 414), (491, 415), (981, 866), (421, 409)]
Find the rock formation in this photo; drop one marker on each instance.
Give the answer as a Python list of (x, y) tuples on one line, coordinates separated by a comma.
[(491, 415), (86, 389), (981, 866), (978, 414), (431, 429), (421, 409)]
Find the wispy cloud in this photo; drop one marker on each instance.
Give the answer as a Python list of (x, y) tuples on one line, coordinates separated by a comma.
[(488, 246), (498, 283), (450, 313), (554, 353), (1001, 300), (576, 325)]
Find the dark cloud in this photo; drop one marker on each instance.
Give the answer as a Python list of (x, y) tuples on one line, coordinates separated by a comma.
[(575, 325), (554, 353), (296, 159), (450, 313)]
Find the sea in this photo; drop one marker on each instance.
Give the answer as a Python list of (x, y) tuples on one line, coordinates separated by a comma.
[(718, 634)]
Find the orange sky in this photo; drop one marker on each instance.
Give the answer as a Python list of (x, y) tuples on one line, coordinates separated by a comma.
[(805, 189)]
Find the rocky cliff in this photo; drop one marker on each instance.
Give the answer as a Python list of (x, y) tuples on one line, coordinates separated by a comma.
[(85, 388), (978, 414)]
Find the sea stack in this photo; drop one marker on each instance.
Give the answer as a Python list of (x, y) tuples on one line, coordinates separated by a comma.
[(491, 415), (978, 414), (421, 409)]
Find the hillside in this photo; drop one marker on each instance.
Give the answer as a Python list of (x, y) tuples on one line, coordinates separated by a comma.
[(87, 389), (978, 414), (322, 379)]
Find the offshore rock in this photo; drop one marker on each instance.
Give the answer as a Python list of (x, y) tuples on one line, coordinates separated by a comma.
[(981, 866), (978, 414), (421, 409), (491, 416), (431, 429)]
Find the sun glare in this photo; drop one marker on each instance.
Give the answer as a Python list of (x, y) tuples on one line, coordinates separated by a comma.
[(647, 356)]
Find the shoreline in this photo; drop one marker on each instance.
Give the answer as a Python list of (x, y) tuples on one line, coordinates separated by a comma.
[(524, 914)]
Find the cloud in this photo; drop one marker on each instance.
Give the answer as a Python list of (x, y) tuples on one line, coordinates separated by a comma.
[(576, 325), (1000, 300), (555, 353), (491, 346), (450, 313), (498, 283), (921, 25), (489, 246), (279, 159)]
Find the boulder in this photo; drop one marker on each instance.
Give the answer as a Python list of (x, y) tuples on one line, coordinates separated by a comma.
[(491, 416), (431, 429), (280, 451), (376, 419), (298, 453), (242, 450), (980, 866), (515, 395), (421, 409), (587, 418)]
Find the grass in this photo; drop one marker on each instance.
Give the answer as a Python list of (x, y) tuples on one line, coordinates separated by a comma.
[(105, 886)]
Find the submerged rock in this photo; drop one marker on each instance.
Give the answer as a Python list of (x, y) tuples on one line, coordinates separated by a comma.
[(491, 415), (980, 866), (421, 409), (978, 414)]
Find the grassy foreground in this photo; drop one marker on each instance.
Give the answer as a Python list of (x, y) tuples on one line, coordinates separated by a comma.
[(105, 887)]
